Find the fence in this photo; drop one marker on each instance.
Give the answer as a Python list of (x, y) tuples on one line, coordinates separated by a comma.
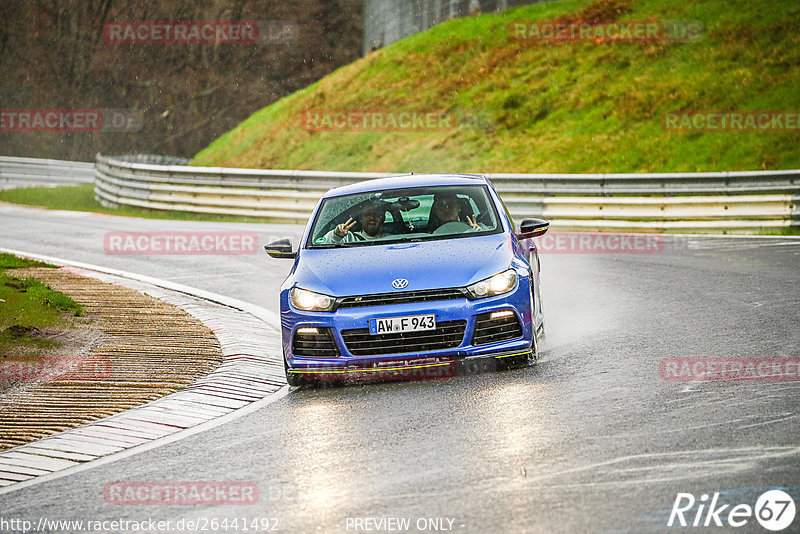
[(724, 201), (33, 171)]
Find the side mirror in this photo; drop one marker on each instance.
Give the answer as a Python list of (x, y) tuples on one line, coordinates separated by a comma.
[(529, 228), (280, 249)]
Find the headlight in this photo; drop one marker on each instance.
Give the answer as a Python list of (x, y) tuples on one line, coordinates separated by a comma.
[(494, 285), (310, 301)]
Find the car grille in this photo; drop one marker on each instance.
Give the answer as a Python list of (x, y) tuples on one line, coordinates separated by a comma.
[(381, 299), (447, 335), (488, 330), (314, 345)]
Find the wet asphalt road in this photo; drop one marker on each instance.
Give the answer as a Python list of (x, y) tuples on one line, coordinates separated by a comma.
[(591, 439)]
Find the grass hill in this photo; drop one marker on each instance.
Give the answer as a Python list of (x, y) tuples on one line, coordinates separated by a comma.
[(538, 106)]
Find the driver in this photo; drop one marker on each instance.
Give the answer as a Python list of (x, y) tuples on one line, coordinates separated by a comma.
[(372, 217), (447, 208)]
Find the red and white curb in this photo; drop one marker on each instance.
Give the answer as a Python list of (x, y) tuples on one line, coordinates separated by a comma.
[(250, 376)]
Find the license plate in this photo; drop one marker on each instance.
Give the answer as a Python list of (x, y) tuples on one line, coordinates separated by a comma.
[(410, 323)]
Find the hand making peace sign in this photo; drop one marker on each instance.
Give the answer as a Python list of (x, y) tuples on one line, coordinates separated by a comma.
[(342, 229)]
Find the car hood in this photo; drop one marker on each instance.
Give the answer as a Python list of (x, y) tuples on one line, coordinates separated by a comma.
[(436, 264)]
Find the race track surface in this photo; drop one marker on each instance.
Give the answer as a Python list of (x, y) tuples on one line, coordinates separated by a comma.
[(591, 439)]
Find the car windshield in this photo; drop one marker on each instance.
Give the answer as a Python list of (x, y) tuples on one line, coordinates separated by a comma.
[(408, 214)]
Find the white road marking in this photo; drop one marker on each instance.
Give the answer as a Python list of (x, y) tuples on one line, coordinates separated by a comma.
[(248, 380)]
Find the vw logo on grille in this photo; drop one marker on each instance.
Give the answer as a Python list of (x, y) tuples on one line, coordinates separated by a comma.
[(400, 283)]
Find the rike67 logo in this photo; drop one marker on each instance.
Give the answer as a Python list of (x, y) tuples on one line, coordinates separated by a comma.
[(774, 510)]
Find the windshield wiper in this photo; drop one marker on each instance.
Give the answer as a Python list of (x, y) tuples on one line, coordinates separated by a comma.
[(338, 245)]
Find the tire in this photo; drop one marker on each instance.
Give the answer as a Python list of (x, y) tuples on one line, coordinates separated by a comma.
[(293, 379), (538, 333), (534, 348)]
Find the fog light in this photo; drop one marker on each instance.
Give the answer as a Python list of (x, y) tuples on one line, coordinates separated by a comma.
[(307, 330)]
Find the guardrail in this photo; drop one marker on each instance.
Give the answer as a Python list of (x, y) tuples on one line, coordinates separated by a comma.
[(34, 171), (740, 201)]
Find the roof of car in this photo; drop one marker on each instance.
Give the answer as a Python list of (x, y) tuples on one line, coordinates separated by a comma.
[(406, 180)]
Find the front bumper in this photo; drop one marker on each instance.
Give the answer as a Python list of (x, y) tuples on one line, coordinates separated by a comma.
[(418, 364), (410, 368)]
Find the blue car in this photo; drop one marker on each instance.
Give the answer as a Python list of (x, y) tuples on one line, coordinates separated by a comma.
[(410, 277)]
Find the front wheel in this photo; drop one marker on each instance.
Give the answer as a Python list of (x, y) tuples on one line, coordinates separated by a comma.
[(534, 356), (293, 379), (521, 361)]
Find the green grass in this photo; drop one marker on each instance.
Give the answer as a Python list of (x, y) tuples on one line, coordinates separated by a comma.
[(27, 306), (81, 198), (8, 261), (543, 107), (787, 231)]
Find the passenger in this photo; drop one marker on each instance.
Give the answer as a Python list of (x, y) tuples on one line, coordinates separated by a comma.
[(447, 208), (372, 217)]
